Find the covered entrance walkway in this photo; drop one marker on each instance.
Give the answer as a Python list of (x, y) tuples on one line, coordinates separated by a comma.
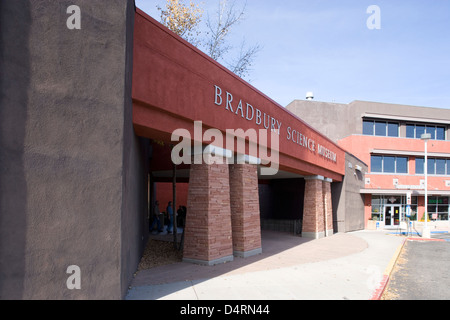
[(227, 137)]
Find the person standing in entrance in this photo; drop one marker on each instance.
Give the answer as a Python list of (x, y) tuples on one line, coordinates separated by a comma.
[(169, 211), (156, 220)]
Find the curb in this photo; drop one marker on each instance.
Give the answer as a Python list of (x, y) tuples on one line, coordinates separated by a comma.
[(424, 239), (387, 273)]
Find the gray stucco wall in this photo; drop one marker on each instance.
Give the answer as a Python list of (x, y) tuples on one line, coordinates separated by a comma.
[(330, 119), (72, 172), (348, 203), (338, 121)]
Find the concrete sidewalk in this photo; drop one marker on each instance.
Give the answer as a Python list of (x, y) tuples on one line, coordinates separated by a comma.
[(342, 266)]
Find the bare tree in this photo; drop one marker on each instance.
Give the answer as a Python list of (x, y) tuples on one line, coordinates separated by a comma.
[(242, 64), (217, 47), (226, 17), (184, 19)]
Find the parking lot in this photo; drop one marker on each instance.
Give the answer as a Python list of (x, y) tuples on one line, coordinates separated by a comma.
[(441, 235), (422, 270)]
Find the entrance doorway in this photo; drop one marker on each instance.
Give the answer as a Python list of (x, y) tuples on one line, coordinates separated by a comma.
[(392, 215)]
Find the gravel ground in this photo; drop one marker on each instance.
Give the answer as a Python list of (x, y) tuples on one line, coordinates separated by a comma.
[(421, 273), (158, 253), (391, 293)]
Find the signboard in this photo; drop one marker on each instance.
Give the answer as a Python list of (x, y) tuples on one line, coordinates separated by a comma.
[(408, 198), (409, 187), (392, 199), (253, 114)]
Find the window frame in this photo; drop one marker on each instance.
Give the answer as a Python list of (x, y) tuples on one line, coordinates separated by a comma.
[(372, 157), (370, 128), (437, 131), (397, 129), (395, 164), (420, 170), (413, 130), (444, 133), (439, 209)]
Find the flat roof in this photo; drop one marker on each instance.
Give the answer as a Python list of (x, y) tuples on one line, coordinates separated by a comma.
[(175, 85)]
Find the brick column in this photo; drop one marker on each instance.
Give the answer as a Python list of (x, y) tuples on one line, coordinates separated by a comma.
[(245, 215), (327, 207), (208, 237), (313, 213)]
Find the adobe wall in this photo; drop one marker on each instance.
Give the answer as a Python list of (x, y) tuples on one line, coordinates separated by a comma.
[(71, 183)]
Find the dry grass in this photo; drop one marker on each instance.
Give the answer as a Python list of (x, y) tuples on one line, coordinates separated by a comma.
[(391, 293), (158, 253)]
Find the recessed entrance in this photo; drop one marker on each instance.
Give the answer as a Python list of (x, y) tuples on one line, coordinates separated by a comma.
[(392, 216)]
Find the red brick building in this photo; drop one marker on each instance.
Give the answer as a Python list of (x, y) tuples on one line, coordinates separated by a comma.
[(174, 85), (90, 118), (387, 138)]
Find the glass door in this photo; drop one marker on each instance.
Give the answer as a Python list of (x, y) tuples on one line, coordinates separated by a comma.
[(397, 217), (388, 216), (393, 215)]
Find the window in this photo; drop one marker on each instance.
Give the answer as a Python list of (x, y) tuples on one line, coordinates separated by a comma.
[(440, 133), (368, 128), (440, 166), (389, 164), (401, 165), (416, 130), (432, 131), (377, 208), (420, 165), (410, 131), (438, 208), (379, 203), (420, 130), (430, 166), (413, 208), (380, 128), (436, 166), (392, 129), (376, 164)]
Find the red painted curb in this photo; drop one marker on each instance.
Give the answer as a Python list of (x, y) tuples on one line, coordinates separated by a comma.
[(386, 276), (424, 239), (385, 280), (380, 290)]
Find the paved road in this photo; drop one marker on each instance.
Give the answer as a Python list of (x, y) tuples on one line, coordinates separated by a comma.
[(422, 271), (441, 235)]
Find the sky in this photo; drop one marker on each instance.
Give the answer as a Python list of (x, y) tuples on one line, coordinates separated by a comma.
[(326, 47)]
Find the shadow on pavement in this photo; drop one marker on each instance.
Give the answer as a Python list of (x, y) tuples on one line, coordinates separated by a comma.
[(278, 250)]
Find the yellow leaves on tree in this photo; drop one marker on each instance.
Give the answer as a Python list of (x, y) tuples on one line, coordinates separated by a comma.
[(182, 18)]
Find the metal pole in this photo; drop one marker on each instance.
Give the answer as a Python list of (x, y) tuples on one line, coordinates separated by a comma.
[(426, 184), (426, 231)]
